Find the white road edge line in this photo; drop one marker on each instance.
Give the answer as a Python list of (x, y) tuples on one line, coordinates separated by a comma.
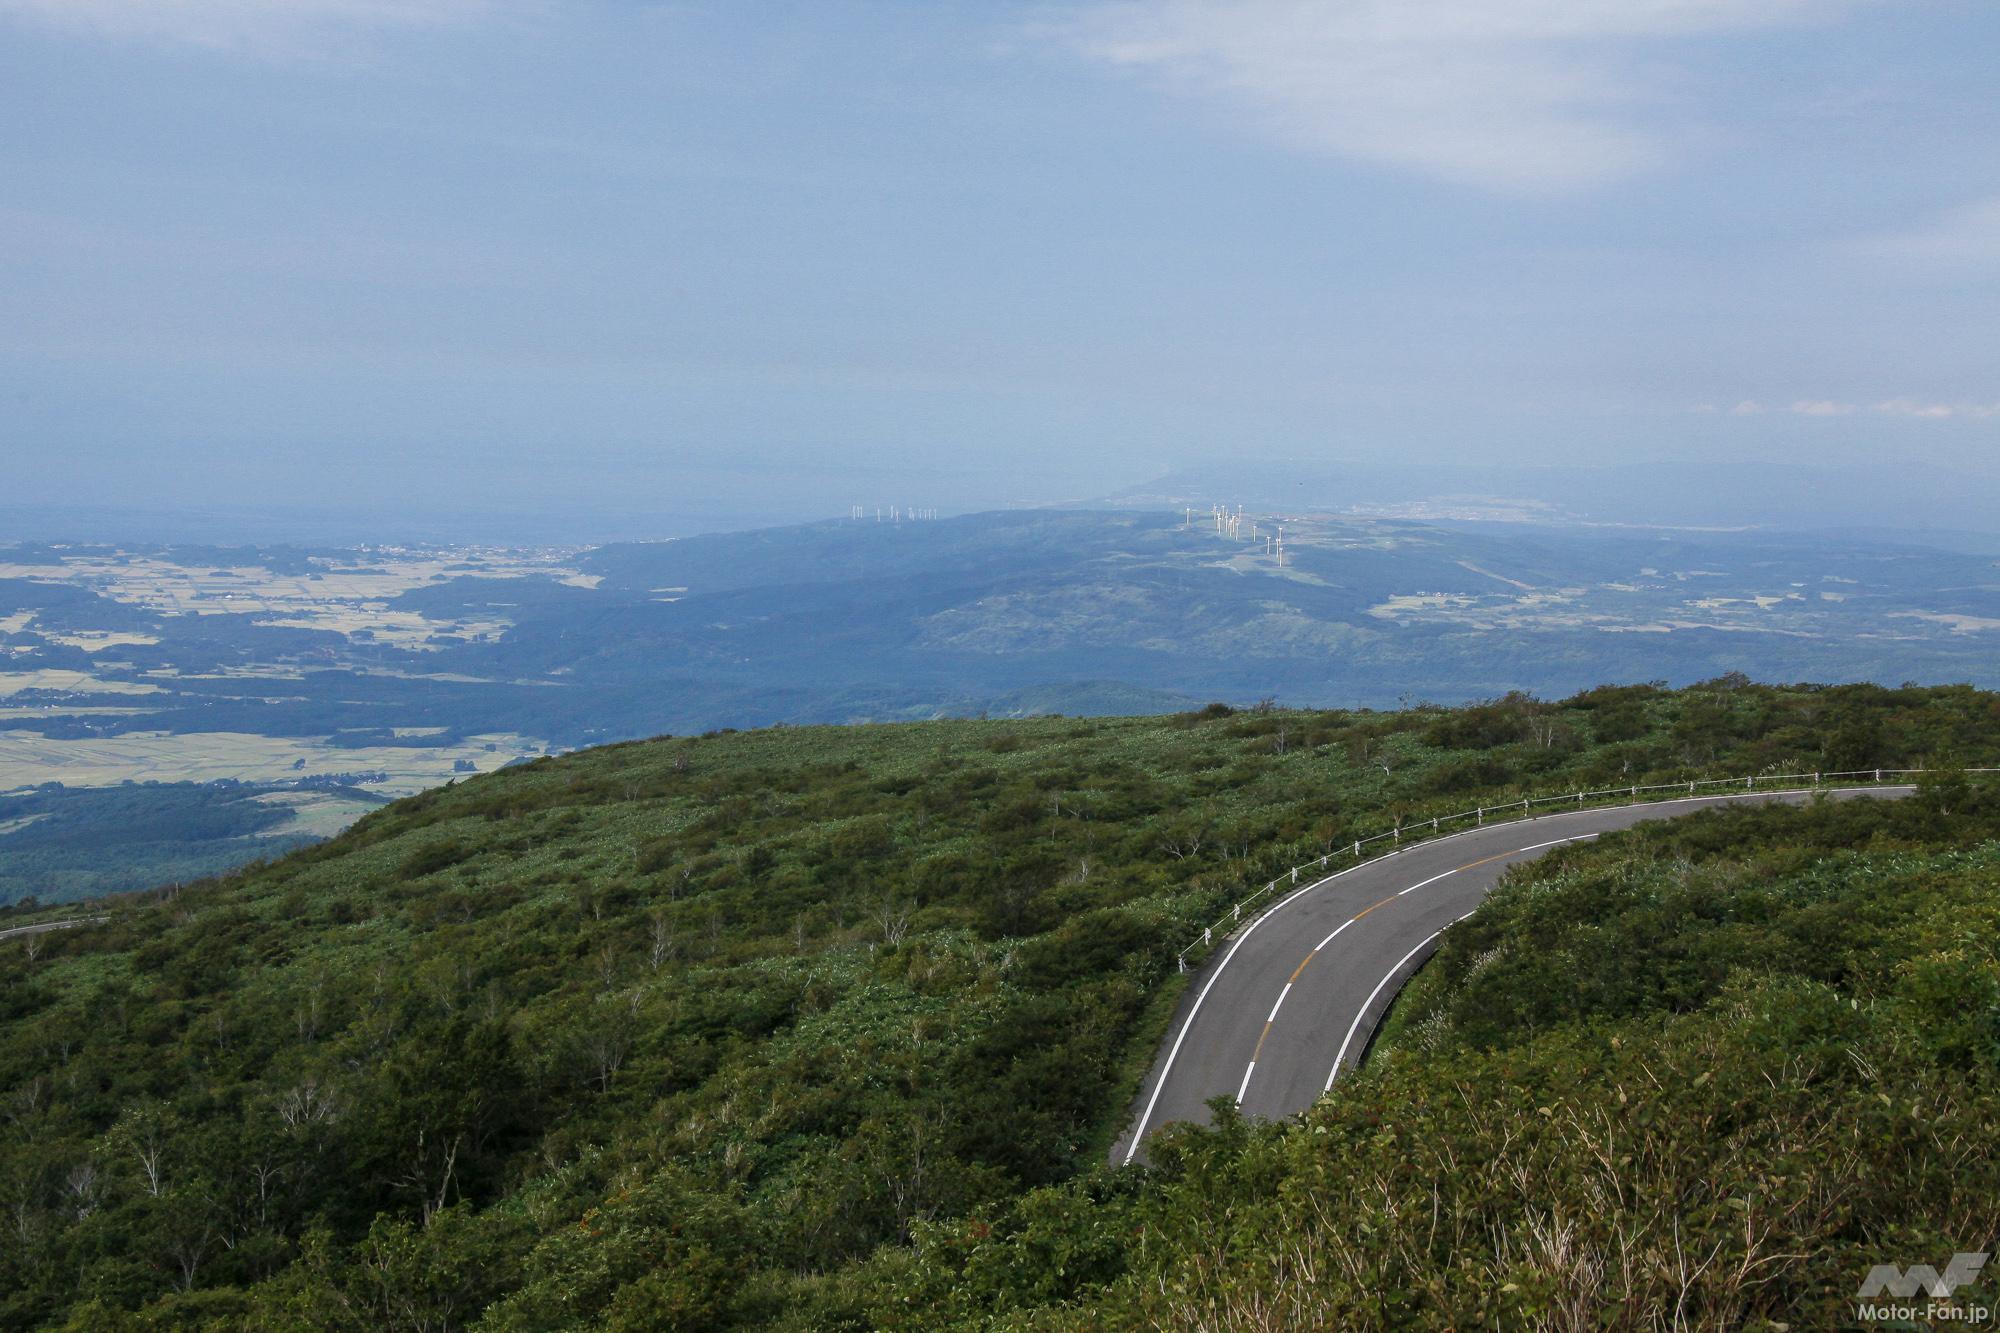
[(1244, 1086), (1139, 1130), (1531, 847), (1356, 1025), (1139, 1133)]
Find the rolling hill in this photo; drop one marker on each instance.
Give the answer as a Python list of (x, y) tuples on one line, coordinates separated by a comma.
[(391, 670), (831, 1027)]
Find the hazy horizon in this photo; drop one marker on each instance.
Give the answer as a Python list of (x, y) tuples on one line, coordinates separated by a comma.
[(490, 257), (1949, 510)]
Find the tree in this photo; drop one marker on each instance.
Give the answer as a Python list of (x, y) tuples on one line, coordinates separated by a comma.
[(894, 919), (662, 943), (440, 1104), (143, 1134)]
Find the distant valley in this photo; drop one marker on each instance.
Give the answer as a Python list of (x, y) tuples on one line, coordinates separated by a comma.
[(384, 671)]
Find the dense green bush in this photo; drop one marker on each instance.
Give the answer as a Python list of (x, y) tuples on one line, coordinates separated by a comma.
[(1705, 1073), (828, 1027)]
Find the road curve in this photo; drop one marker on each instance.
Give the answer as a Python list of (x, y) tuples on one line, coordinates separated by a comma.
[(1292, 999), (44, 927)]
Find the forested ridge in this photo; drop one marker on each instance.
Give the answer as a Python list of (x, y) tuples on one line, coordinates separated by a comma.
[(831, 1027), (60, 844)]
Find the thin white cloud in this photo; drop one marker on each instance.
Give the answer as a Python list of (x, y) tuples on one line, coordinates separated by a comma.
[(1968, 235), (1915, 409), (1508, 94), (281, 28), (1922, 411)]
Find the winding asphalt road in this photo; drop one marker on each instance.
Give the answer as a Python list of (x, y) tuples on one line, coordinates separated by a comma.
[(1291, 1000), (44, 927)]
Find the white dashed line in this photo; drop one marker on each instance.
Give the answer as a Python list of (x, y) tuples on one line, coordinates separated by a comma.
[(1336, 930), (1166, 1070)]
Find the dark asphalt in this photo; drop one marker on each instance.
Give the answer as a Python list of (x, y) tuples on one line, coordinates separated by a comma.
[(1320, 968)]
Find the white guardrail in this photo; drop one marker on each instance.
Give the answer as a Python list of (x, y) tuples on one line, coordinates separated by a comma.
[(1418, 830)]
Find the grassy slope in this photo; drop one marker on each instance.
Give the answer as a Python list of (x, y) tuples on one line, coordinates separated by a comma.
[(1715, 1070), (704, 1031)]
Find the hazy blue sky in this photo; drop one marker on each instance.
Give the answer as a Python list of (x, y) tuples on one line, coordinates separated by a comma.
[(627, 256)]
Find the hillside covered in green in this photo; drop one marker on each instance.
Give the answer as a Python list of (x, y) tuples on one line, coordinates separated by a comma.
[(832, 1027), (1707, 1075)]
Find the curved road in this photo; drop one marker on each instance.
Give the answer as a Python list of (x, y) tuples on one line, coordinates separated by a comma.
[(1292, 999), (44, 927)]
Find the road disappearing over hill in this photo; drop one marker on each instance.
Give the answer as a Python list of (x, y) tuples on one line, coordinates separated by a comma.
[(44, 927), (1289, 1002)]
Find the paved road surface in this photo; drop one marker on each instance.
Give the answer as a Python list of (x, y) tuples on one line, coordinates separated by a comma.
[(1303, 986), (44, 927)]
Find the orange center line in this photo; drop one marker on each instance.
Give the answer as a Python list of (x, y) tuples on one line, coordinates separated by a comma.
[(1469, 865)]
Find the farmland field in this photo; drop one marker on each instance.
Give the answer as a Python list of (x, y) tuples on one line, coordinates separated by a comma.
[(388, 670)]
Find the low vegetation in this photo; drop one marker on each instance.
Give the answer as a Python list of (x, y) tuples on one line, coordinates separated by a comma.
[(1706, 1074), (831, 1027)]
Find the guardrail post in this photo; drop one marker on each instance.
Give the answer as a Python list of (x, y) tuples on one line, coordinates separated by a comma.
[(1527, 803)]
